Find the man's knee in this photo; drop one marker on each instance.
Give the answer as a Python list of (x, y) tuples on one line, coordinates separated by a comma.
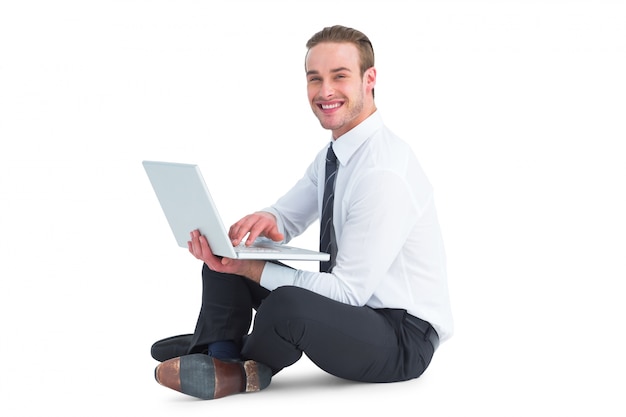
[(286, 307), (288, 299)]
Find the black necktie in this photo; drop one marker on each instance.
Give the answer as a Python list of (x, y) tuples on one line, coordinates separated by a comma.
[(327, 231)]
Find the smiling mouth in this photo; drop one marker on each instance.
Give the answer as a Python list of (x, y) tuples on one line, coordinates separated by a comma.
[(329, 106)]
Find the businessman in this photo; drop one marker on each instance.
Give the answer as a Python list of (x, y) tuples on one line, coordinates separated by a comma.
[(379, 309)]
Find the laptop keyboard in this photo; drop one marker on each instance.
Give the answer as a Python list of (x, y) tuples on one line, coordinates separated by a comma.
[(256, 249)]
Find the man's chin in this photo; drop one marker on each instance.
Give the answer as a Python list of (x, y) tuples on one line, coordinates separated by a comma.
[(329, 123)]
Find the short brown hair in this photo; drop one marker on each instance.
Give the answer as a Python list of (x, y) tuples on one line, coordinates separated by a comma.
[(340, 34)]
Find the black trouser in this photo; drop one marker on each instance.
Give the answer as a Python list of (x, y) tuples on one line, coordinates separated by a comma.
[(356, 343)]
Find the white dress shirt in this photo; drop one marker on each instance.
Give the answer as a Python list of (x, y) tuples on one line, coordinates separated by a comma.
[(390, 249)]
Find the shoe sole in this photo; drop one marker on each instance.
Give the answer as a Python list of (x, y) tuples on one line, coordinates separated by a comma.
[(204, 377)]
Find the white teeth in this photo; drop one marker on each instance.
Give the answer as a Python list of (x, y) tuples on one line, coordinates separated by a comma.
[(330, 106)]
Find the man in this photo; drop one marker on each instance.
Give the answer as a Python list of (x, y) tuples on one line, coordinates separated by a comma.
[(379, 309)]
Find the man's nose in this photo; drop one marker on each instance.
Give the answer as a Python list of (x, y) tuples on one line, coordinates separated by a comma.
[(327, 90)]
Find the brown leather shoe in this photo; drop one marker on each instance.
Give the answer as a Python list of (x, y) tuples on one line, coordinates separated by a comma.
[(208, 378)]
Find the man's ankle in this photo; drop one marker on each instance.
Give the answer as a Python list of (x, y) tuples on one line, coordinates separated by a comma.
[(224, 350)]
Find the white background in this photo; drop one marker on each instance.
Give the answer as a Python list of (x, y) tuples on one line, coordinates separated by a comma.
[(515, 108)]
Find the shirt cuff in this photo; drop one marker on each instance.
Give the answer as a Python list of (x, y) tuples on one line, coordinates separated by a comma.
[(274, 276)]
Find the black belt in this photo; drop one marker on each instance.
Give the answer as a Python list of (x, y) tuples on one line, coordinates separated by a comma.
[(425, 327)]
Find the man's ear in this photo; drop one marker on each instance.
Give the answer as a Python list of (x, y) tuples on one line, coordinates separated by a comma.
[(370, 79)]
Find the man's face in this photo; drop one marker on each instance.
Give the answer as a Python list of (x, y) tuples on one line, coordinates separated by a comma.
[(339, 96)]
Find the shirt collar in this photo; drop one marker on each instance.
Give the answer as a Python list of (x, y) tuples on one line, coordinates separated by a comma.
[(347, 144)]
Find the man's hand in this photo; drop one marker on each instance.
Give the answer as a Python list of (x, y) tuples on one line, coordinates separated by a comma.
[(199, 247), (257, 224)]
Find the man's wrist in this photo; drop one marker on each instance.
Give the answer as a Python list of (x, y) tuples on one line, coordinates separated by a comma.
[(255, 270)]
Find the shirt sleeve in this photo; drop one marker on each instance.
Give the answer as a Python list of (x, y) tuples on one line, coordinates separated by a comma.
[(275, 276)]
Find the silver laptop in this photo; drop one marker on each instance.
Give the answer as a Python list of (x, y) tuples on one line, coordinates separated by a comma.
[(188, 205)]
